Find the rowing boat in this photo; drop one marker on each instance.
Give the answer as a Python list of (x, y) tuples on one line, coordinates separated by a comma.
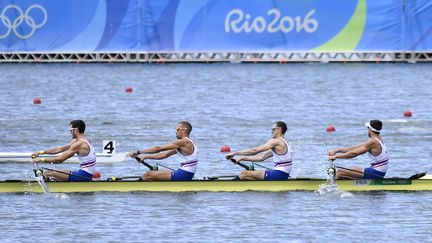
[(299, 184), (101, 158)]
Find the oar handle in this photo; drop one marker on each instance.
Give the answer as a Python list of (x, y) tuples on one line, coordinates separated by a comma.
[(146, 164), (246, 167)]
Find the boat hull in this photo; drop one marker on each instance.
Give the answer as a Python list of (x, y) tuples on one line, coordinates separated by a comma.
[(217, 186)]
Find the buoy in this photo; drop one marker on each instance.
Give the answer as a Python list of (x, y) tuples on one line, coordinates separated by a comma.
[(96, 175), (225, 149), (330, 128), (407, 114), (37, 101), (128, 90)]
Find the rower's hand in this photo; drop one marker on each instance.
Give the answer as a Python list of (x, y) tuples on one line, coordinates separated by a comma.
[(133, 154), (35, 155), (331, 152), (36, 160), (229, 156), (331, 157), (237, 160)]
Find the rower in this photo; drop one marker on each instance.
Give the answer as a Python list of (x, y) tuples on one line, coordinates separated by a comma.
[(185, 149), (277, 147), (79, 146), (376, 149)]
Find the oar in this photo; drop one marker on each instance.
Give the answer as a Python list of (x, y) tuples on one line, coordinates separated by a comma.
[(262, 166), (211, 178), (113, 178), (40, 179), (331, 171), (65, 173), (166, 167), (151, 167), (246, 167)]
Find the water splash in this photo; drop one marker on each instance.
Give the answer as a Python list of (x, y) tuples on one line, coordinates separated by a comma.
[(329, 189), (41, 181)]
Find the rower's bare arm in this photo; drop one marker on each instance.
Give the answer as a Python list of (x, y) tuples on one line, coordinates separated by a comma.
[(358, 150), (73, 149), (256, 158), (344, 150), (159, 156), (176, 144), (54, 150), (253, 151)]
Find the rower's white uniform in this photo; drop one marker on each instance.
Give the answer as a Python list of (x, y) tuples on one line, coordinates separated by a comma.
[(87, 165), (188, 165), (283, 162), (88, 162), (379, 163)]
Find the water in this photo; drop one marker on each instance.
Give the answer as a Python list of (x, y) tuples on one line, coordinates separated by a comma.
[(233, 104)]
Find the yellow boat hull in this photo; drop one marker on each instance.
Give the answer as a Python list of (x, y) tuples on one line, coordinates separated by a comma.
[(217, 186)]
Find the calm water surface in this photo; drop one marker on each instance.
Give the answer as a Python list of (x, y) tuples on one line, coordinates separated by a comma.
[(233, 104)]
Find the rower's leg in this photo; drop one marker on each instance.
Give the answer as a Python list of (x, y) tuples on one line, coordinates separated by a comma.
[(252, 175), (159, 175), (348, 174), (57, 175)]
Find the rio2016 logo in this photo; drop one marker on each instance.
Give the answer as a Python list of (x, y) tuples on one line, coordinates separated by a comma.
[(23, 20), (237, 22)]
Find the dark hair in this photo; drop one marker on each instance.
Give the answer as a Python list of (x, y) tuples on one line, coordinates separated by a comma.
[(282, 125), (186, 125), (78, 124), (376, 124)]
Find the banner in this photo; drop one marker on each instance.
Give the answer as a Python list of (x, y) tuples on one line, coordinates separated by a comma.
[(214, 25), (418, 31)]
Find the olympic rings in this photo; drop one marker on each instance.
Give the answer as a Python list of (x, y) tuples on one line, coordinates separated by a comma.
[(14, 24)]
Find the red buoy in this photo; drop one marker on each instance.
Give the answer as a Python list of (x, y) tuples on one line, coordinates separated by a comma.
[(96, 175), (225, 149), (128, 90), (407, 114), (330, 128), (37, 101)]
